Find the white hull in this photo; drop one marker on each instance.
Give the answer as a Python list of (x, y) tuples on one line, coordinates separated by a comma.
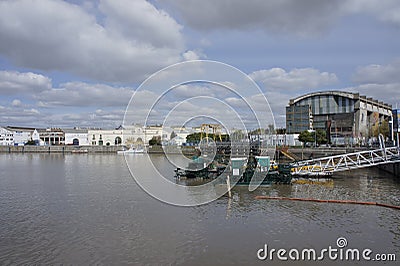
[(131, 151)]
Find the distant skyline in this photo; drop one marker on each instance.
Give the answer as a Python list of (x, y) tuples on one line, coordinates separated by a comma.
[(77, 63)]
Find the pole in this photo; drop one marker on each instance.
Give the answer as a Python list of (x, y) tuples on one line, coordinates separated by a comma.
[(228, 184), (315, 138)]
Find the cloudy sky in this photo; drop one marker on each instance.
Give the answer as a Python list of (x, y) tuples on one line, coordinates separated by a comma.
[(77, 63)]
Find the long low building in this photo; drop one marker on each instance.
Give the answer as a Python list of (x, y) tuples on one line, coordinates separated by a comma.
[(129, 135), (345, 116)]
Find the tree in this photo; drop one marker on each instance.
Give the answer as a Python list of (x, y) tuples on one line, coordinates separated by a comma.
[(281, 131), (271, 129), (238, 135), (193, 138), (306, 137), (155, 140), (31, 142), (321, 136), (381, 128)]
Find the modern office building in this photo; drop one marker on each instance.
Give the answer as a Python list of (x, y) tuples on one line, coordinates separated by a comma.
[(348, 118)]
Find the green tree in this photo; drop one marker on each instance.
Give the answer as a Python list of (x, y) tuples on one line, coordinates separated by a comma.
[(321, 136), (193, 138), (281, 131), (382, 128), (30, 142), (155, 140), (306, 137)]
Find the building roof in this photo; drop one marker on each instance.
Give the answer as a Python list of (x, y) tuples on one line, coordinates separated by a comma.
[(75, 130), (14, 128), (350, 95)]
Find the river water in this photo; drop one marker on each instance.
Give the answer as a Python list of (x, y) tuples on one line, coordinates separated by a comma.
[(87, 209)]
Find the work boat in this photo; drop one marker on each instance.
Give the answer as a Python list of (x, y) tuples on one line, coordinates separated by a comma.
[(131, 150), (242, 170)]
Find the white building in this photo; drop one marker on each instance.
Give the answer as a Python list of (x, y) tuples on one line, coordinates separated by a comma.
[(21, 134), (180, 135), (6, 137), (281, 139), (106, 137), (21, 137), (128, 135), (76, 136), (52, 136)]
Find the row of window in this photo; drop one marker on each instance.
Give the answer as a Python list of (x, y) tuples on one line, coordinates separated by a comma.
[(94, 137), (328, 104), (117, 141)]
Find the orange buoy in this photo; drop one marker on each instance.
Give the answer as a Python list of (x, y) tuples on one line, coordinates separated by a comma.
[(332, 201)]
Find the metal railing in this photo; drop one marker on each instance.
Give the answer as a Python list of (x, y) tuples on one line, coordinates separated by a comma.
[(348, 161)]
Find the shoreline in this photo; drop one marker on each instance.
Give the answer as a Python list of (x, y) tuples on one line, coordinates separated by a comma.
[(87, 149)]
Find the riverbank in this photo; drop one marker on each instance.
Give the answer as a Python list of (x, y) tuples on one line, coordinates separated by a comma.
[(298, 153), (90, 149)]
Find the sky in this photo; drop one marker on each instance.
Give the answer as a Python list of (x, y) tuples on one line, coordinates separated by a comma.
[(78, 63)]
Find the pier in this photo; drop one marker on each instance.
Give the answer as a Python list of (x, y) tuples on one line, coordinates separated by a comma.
[(386, 158)]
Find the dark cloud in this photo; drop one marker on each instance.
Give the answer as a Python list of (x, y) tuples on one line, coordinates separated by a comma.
[(301, 17)]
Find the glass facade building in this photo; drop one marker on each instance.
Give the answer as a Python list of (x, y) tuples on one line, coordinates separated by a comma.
[(298, 118), (343, 115)]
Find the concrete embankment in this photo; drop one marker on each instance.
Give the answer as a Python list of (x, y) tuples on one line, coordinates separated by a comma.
[(89, 149), (59, 149), (392, 168)]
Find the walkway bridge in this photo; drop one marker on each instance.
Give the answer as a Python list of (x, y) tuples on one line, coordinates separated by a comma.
[(349, 161)]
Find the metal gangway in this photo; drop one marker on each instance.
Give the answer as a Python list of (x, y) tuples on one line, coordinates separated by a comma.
[(349, 161)]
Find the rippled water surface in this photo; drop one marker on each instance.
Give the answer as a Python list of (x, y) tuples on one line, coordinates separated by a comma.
[(86, 209)]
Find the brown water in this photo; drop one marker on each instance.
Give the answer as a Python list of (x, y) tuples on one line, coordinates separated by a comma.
[(86, 209)]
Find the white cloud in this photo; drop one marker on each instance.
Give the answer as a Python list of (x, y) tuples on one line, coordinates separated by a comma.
[(378, 74), (388, 93), (16, 103), (140, 20), (83, 95), (296, 79), (31, 111), (13, 82), (191, 55), (381, 82), (126, 41), (18, 116)]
